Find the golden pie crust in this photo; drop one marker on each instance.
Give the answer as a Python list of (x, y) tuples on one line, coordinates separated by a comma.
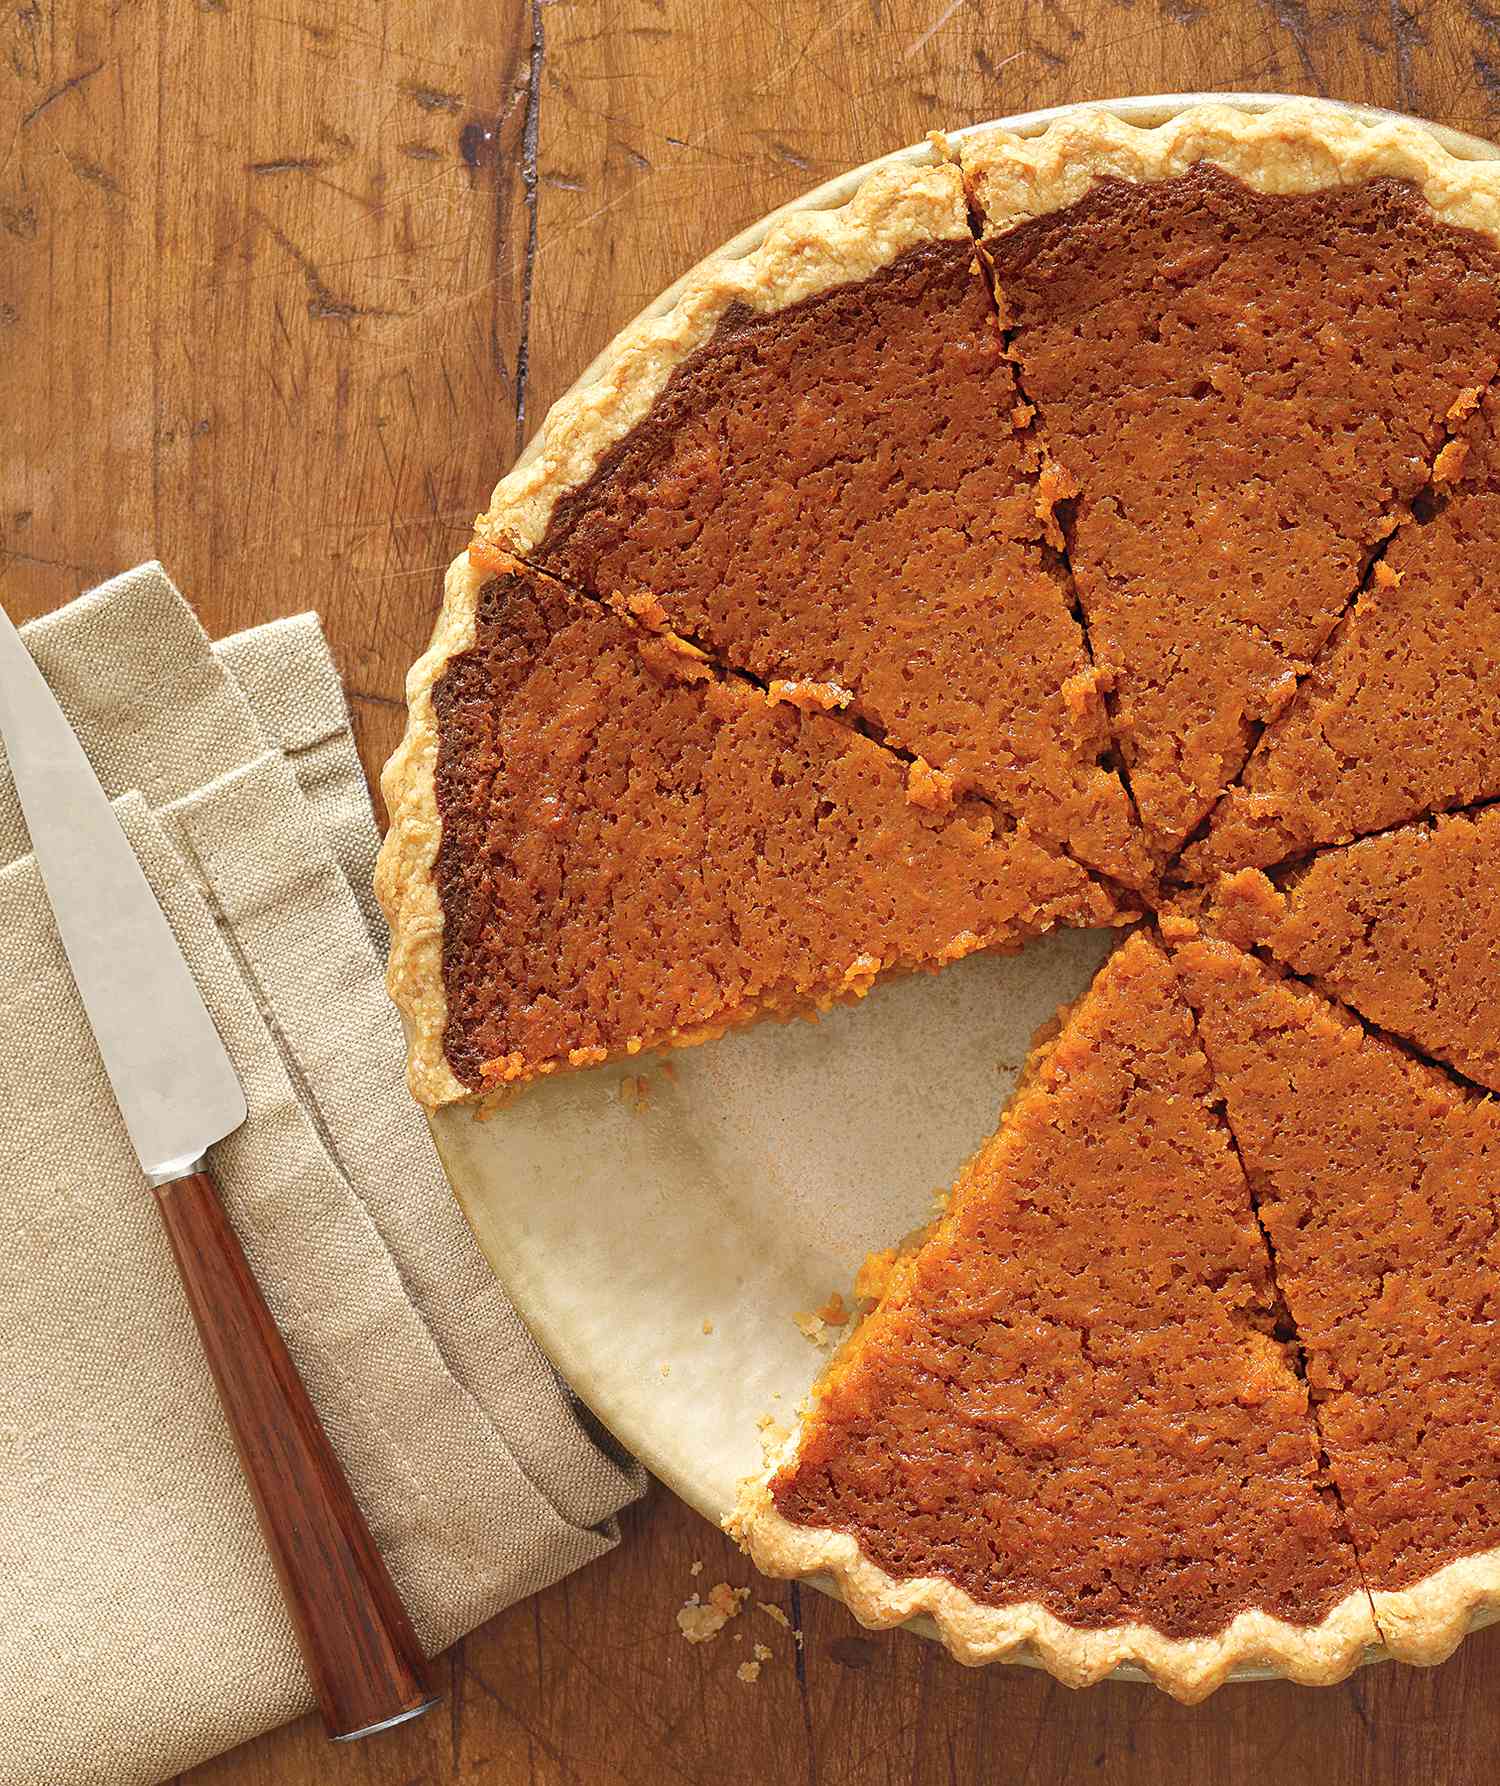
[(1294, 148), (1299, 146), (1187, 1668)]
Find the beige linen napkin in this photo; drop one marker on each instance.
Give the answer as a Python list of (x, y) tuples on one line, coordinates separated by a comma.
[(140, 1626)]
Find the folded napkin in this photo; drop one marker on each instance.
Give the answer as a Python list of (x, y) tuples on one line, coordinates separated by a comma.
[(140, 1625)]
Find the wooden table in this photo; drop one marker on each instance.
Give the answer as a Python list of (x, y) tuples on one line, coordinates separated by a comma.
[(282, 289)]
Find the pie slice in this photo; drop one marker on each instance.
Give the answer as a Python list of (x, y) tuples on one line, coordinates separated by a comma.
[(1378, 1183), (1069, 1422), (600, 844), (1401, 717), (1403, 927), (1242, 334), (818, 466)]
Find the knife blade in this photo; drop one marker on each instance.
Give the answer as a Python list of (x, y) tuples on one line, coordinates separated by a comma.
[(176, 1087), (178, 1093)]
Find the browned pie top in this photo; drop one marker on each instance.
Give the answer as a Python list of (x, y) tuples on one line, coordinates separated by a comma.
[(848, 491), (1404, 927), (1378, 1183), (635, 849), (1072, 1393), (1401, 715), (1247, 390)]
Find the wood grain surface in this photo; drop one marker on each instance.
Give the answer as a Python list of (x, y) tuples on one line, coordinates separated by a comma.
[(283, 286)]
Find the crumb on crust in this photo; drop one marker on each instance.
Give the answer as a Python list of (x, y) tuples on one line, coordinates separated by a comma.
[(874, 1272), (811, 697), (932, 789), (1447, 468)]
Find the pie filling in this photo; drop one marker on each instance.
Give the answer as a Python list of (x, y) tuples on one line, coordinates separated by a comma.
[(1247, 391), (1378, 1182), (1403, 927), (927, 613), (850, 491), (638, 850), (1399, 717), (1073, 1393)]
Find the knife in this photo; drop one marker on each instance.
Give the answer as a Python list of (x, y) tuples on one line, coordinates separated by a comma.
[(178, 1093)]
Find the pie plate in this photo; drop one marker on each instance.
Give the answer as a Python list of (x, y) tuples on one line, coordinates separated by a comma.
[(659, 1224)]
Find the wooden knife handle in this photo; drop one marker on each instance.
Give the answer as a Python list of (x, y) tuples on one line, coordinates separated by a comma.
[(357, 1642)]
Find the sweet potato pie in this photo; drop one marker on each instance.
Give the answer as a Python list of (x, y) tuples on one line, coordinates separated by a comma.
[(1099, 528)]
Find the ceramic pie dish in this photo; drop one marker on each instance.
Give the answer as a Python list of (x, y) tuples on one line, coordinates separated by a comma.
[(878, 602)]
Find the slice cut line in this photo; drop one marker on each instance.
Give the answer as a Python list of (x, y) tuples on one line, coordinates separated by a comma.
[(1246, 405), (848, 491), (1399, 718), (637, 850), (1378, 1181), (1068, 1421), (1403, 927)]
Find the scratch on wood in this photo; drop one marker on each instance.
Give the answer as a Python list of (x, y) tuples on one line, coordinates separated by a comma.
[(1408, 37), (920, 43), (1488, 74), (799, 1656), (421, 152), (1066, 24), (530, 139), (476, 144), (90, 571), (799, 1664), (291, 164), (785, 152), (96, 176), (29, 18), (1293, 17), (545, 1744), (322, 305), (431, 99), (57, 93), (1355, 1696), (992, 69)]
